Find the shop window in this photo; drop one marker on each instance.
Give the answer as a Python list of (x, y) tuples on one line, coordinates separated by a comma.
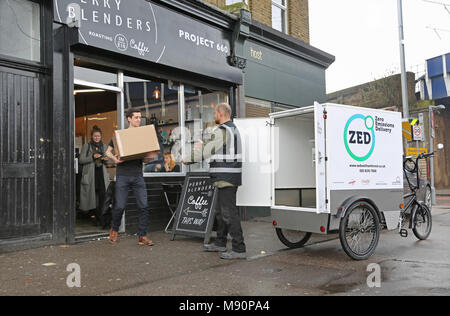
[(20, 25), (159, 104), (200, 105), (279, 20), (84, 71)]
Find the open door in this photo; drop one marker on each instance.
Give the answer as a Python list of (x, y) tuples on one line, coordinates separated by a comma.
[(257, 170), (320, 157)]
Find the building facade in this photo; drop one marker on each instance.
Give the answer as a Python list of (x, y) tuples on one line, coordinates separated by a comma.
[(435, 87), (68, 65), (288, 16), (274, 68), (435, 84)]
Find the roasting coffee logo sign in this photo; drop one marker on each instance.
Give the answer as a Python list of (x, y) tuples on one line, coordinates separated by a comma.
[(142, 29), (121, 42)]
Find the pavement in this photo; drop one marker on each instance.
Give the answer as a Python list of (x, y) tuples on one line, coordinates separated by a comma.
[(443, 192), (181, 268), (443, 200)]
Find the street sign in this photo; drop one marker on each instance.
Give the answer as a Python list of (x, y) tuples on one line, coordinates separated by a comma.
[(407, 130), (420, 118), (412, 151), (418, 133)]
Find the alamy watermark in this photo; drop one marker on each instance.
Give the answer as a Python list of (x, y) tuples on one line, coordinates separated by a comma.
[(74, 278), (374, 278)]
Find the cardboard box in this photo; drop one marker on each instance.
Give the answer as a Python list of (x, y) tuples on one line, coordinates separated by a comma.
[(135, 143)]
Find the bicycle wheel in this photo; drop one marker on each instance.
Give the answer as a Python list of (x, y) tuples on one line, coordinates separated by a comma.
[(422, 222), (292, 238), (359, 231), (427, 197)]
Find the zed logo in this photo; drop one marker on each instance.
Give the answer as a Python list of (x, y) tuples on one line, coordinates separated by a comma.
[(359, 137)]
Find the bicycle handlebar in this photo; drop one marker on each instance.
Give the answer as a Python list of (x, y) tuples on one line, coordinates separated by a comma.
[(424, 156), (421, 156)]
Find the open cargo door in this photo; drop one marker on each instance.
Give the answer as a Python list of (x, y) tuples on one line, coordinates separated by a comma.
[(256, 189), (320, 157)]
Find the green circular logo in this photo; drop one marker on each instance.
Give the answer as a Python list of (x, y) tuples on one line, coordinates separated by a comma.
[(359, 139)]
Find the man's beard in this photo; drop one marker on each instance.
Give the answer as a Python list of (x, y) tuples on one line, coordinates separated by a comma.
[(217, 122)]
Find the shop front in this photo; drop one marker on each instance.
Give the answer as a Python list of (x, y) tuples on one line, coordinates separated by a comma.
[(171, 66), (76, 66), (91, 61)]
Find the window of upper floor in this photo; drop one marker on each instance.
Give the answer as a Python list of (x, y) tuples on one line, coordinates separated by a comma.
[(279, 15), (230, 2)]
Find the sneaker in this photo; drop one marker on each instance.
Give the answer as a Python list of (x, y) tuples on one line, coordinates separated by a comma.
[(214, 248), (144, 241), (233, 255), (113, 236)]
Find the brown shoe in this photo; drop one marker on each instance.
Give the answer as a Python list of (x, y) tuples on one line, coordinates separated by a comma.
[(113, 236), (144, 241)]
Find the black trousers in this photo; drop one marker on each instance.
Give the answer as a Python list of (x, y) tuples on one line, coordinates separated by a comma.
[(228, 220), (137, 184)]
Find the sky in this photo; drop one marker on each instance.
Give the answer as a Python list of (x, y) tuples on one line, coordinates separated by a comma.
[(363, 35)]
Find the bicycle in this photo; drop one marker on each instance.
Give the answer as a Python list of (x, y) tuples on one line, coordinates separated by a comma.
[(419, 213)]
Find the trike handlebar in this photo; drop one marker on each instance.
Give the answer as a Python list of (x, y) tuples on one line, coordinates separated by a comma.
[(424, 156), (415, 169)]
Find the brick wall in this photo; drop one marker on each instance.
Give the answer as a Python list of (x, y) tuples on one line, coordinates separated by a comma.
[(298, 19), (253, 110), (217, 3), (385, 92), (297, 15), (261, 11)]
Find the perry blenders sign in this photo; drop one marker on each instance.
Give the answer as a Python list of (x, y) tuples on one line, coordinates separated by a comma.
[(145, 30), (365, 149)]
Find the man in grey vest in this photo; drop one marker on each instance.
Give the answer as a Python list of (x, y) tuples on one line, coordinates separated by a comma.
[(225, 154)]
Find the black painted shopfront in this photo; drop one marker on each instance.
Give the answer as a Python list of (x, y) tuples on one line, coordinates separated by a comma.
[(83, 63), (78, 63)]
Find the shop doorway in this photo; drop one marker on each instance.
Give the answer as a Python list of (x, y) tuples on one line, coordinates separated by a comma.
[(95, 110)]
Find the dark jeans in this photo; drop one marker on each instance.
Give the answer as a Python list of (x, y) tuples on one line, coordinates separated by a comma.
[(228, 220), (137, 184)]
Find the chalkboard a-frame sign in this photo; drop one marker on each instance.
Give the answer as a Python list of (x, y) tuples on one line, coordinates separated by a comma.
[(195, 212)]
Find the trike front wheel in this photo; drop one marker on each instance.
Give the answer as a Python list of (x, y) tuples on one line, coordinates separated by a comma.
[(422, 222), (359, 231)]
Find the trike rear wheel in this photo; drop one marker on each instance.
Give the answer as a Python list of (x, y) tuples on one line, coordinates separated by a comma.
[(292, 238), (359, 231)]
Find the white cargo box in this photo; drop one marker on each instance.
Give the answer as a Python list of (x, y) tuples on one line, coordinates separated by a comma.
[(306, 163)]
